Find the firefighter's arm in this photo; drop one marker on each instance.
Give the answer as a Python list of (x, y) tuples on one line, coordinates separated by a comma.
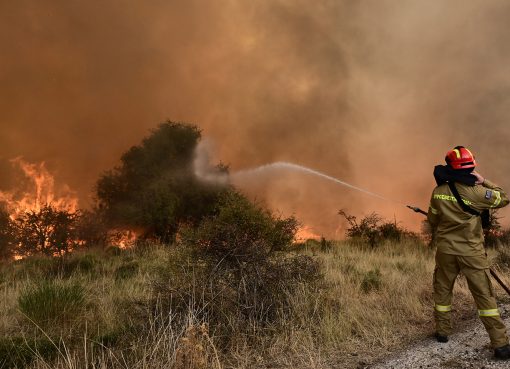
[(433, 213), (490, 196)]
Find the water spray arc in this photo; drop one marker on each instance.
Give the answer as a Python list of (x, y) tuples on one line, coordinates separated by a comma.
[(291, 166), (281, 165), (208, 173)]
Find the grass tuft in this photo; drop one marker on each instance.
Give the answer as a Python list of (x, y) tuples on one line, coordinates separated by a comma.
[(51, 301)]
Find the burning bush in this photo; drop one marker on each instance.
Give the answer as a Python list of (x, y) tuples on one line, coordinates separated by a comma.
[(48, 231), (155, 188), (232, 272)]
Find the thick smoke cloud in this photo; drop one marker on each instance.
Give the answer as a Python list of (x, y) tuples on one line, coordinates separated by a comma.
[(372, 92)]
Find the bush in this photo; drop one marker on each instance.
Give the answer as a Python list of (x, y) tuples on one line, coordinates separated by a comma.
[(49, 231), (231, 271), (372, 230), (240, 232), (51, 302)]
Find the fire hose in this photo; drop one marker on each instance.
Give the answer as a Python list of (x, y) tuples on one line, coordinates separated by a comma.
[(493, 273)]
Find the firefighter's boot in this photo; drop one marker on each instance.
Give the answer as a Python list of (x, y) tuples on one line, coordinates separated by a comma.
[(502, 353), (441, 338)]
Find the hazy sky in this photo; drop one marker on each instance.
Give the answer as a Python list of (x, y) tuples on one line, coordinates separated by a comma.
[(373, 92)]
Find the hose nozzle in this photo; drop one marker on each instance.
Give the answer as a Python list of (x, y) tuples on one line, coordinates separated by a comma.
[(417, 209)]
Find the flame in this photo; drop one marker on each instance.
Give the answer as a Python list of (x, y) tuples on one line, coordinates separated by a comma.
[(306, 233), (41, 192), (124, 238)]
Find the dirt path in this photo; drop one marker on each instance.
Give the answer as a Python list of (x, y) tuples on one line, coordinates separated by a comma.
[(467, 349)]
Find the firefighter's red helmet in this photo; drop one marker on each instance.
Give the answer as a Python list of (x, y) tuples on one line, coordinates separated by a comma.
[(460, 158)]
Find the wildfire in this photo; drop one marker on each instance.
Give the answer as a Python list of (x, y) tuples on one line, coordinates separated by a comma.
[(306, 233), (41, 192), (124, 238)]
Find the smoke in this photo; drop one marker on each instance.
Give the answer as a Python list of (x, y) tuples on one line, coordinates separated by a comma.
[(204, 169), (372, 92)]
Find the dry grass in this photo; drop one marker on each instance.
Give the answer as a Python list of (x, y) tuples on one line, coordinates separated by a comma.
[(372, 302)]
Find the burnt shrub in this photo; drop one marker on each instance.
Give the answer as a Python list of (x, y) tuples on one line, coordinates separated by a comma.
[(231, 271)]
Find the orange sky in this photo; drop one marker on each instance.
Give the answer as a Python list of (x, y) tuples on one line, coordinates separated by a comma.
[(372, 92)]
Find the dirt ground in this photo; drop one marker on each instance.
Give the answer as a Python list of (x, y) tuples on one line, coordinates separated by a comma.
[(468, 348)]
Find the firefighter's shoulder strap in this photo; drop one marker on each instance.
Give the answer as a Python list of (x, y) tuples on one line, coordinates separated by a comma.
[(461, 202), (485, 215)]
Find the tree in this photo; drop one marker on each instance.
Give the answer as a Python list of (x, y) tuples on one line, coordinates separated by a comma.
[(49, 231), (154, 187)]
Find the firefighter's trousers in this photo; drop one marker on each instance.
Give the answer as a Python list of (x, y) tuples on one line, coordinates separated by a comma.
[(476, 271)]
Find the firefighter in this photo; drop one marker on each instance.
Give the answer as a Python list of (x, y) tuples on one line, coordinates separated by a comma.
[(460, 243)]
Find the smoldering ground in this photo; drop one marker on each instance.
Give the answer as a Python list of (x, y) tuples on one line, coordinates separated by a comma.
[(371, 92)]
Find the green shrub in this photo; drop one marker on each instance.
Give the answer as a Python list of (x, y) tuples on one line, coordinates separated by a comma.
[(51, 302), (371, 281), (231, 271), (18, 352), (240, 232)]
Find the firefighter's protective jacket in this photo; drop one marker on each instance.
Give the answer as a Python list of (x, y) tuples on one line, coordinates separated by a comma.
[(458, 232)]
